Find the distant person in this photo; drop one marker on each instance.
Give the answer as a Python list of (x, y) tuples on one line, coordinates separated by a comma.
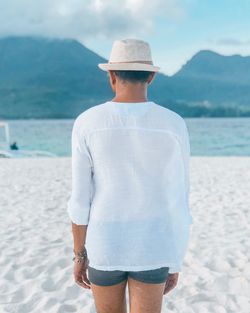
[(14, 146), (130, 189)]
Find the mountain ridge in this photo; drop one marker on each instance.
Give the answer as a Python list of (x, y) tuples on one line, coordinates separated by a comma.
[(59, 78)]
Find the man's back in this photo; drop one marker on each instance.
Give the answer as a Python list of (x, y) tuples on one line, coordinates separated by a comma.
[(138, 153)]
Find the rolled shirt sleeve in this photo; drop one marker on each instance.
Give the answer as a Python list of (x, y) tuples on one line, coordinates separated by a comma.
[(78, 206)]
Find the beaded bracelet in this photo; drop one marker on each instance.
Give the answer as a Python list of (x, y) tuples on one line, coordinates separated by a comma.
[(81, 256)]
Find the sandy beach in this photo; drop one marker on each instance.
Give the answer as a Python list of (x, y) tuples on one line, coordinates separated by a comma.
[(36, 241)]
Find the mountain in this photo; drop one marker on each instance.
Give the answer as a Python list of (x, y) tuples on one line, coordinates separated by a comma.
[(54, 78), (221, 80), (42, 77)]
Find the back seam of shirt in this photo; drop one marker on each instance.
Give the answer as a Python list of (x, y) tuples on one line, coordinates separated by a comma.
[(136, 128)]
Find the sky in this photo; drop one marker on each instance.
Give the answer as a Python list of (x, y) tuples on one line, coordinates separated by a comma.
[(175, 29)]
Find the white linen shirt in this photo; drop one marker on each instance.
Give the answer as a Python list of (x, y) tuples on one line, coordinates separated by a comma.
[(130, 185)]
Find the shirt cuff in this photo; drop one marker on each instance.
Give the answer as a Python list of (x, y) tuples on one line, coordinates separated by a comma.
[(78, 216)]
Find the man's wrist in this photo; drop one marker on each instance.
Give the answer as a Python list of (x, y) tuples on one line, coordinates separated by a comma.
[(80, 255)]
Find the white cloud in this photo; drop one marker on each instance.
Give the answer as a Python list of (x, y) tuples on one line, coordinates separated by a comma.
[(82, 19), (232, 42)]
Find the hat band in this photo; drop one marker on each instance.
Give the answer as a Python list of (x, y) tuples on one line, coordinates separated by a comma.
[(143, 62)]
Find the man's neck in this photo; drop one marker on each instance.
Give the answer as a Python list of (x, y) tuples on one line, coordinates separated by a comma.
[(129, 99), (132, 94)]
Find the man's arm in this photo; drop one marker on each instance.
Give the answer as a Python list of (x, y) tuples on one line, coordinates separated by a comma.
[(79, 236), (78, 206), (185, 149), (186, 156)]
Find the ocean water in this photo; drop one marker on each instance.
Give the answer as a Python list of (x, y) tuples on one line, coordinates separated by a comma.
[(208, 136)]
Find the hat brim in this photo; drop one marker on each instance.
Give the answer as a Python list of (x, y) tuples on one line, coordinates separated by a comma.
[(128, 67)]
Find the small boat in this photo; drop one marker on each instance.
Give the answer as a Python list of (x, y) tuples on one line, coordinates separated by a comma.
[(8, 150)]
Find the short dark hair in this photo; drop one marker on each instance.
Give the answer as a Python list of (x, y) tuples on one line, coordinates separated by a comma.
[(133, 76)]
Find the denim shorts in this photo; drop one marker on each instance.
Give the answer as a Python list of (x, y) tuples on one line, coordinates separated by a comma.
[(109, 278)]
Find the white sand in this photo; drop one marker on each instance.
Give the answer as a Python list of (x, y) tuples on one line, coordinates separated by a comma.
[(36, 243)]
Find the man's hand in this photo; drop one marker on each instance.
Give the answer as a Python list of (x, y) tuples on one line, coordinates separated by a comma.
[(80, 274), (171, 282)]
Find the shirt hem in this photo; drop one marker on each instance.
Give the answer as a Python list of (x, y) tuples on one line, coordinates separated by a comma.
[(132, 268)]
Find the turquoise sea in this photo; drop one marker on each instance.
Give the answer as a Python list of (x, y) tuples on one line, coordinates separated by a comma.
[(208, 136)]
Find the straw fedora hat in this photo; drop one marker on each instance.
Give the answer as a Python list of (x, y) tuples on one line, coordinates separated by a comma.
[(130, 55)]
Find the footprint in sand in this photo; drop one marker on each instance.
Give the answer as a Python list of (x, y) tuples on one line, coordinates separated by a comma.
[(67, 308)]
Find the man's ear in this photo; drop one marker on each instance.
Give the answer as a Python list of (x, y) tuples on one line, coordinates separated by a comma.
[(151, 78), (112, 80), (112, 77)]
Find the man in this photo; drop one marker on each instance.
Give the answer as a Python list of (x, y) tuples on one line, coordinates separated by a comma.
[(130, 186)]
